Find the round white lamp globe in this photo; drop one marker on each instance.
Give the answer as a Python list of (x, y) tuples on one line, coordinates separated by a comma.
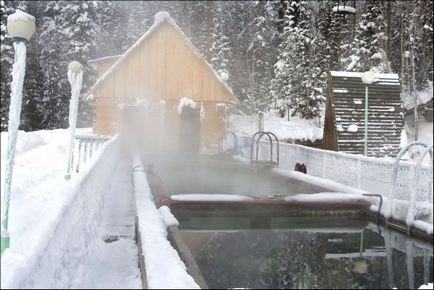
[(21, 25), (368, 77), (75, 67)]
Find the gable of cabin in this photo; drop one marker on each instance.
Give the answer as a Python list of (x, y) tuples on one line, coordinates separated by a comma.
[(162, 68)]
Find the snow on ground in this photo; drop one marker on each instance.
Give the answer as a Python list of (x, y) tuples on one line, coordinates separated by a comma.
[(423, 96), (209, 197), (426, 132), (53, 244), (39, 168), (426, 286), (296, 128), (326, 197), (425, 135), (168, 217), (164, 268), (115, 264)]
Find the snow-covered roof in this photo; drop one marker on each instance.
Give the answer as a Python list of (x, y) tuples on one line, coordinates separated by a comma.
[(359, 75), (105, 58), (159, 18)]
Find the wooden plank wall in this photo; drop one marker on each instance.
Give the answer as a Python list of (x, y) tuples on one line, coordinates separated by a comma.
[(163, 67), (385, 116)]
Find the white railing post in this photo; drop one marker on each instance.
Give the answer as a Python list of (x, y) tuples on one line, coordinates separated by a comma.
[(413, 191)]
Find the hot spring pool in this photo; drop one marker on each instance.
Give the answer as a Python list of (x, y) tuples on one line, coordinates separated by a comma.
[(279, 246), (305, 253), (209, 175)]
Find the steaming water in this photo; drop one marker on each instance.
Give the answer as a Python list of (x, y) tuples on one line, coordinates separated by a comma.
[(305, 253), (205, 174)]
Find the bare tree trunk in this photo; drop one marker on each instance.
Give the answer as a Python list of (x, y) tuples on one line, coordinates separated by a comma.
[(260, 121), (387, 26), (413, 78), (403, 83)]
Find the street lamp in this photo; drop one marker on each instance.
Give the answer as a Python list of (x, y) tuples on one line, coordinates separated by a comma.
[(21, 27), (368, 78), (75, 78)]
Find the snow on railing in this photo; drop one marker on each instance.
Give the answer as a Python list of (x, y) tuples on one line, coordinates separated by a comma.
[(84, 148), (370, 174)]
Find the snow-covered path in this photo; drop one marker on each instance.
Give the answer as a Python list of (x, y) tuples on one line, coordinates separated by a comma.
[(114, 264), (53, 245)]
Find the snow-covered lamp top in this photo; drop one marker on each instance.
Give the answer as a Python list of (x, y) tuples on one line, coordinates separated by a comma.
[(21, 25), (161, 16), (75, 67), (368, 77)]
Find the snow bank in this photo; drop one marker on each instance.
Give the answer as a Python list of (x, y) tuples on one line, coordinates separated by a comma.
[(423, 226), (168, 217), (164, 268), (33, 164), (426, 286), (209, 197), (423, 96), (52, 256), (295, 129), (318, 181), (326, 197)]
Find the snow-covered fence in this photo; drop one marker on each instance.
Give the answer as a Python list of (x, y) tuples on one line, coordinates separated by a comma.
[(367, 173), (84, 148), (57, 261)]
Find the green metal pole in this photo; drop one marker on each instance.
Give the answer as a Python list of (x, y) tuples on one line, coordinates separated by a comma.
[(361, 242), (365, 152)]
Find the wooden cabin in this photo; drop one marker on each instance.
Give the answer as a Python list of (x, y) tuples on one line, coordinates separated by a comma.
[(163, 82), (345, 114)]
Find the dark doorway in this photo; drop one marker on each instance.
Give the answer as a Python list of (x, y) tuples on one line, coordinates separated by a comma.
[(189, 130)]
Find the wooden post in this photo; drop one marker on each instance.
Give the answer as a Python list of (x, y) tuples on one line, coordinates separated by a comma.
[(329, 135)]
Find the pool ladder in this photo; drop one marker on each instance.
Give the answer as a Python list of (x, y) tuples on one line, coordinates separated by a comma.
[(391, 198), (255, 141), (235, 148)]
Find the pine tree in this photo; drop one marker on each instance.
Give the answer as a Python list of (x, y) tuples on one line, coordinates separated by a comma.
[(220, 49), (299, 71), (257, 96), (367, 48)]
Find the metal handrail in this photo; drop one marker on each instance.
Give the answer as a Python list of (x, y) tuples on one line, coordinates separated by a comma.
[(388, 211), (86, 143), (235, 148), (410, 213), (269, 135), (271, 146)]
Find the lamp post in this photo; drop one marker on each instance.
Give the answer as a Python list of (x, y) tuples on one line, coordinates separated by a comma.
[(75, 78), (368, 78), (21, 27)]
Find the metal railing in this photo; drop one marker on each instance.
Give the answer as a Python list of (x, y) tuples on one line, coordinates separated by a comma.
[(411, 210), (84, 148), (235, 148), (255, 141), (375, 175)]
